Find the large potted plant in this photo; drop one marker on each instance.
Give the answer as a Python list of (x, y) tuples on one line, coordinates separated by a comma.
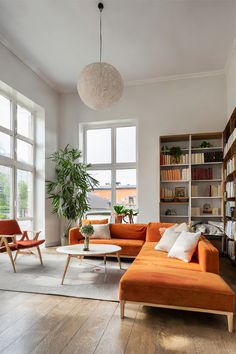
[(69, 190)]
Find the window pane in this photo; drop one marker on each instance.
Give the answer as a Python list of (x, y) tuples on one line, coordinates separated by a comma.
[(5, 192), (25, 225), (24, 194), (5, 112), (24, 122), (24, 152), (126, 144), (126, 187), (5, 144), (99, 146), (100, 198)]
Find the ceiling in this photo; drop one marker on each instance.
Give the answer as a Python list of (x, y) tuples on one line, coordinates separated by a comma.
[(144, 39)]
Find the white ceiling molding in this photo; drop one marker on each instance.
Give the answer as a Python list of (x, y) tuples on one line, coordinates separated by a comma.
[(26, 62)]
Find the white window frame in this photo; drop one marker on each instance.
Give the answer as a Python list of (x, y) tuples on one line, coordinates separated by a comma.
[(12, 161), (113, 166)]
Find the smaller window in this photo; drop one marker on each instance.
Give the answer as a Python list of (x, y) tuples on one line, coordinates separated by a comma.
[(126, 188), (24, 194), (24, 152), (100, 198), (5, 192), (5, 145), (5, 112), (126, 144), (98, 146)]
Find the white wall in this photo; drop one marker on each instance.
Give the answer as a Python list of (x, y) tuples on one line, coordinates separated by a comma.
[(17, 75), (181, 106), (231, 82)]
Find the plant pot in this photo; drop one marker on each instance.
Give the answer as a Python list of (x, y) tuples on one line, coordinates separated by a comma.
[(86, 242), (118, 218)]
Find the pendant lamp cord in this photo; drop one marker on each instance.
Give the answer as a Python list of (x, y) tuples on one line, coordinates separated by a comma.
[(100, 6)]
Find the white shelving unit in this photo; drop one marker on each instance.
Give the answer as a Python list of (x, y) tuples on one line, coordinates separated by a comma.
[(182, 210)]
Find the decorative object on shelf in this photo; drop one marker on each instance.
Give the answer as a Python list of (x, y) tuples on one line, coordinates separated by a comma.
[(206, 209), (180, 192), (130, 213), (69, 190), (205, 144), (119, 213), (176, 153), (87, 231), (100, 84), (165, 149), (171, 212)]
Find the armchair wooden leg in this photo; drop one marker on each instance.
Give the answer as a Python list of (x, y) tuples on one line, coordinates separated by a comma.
[(16, 255), (118, 258), (40, 256), (10, 256), (122, 308), (230, 318)]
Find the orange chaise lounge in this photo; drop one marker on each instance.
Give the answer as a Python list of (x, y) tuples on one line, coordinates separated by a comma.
[(156, 280)]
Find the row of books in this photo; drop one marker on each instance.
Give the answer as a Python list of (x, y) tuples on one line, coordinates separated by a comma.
[(230, 229), (197, 211), (175, 174), (166, 159), (167, 193), (202, 173), (230, 141), (212, 190), (212, 156), (230, 165), (229, 209), (230, 188)]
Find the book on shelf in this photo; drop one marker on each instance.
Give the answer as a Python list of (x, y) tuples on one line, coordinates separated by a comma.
[(230, 165), (174, 174), (230, 229), (230, 189), (215, 190), (196, 211), (199, 173), (195, 191), (204, 157), (167, 159), (229, 209)]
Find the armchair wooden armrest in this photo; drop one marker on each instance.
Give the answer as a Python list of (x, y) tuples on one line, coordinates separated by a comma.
[(26, 236)]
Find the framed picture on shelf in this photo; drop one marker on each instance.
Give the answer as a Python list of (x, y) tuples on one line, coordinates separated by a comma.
[(180, 192)]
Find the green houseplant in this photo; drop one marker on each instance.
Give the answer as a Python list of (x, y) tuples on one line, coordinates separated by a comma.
[(87, 231), (69, 190), (119, 212), (130, 213), (176, 153)]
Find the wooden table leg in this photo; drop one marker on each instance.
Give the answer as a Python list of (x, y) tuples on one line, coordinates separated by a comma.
[(66, 267), (118, 258)]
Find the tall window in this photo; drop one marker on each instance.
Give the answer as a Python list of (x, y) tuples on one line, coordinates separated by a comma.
[(111, 150), (16, 162)]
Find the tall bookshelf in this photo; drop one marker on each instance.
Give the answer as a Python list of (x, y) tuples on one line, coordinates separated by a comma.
[(191, 187), (229, 141)]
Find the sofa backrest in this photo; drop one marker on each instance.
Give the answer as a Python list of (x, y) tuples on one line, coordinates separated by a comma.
[(128, 231), (153, 231)]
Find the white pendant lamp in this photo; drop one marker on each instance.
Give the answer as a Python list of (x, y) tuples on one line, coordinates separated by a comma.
[(100, 84)]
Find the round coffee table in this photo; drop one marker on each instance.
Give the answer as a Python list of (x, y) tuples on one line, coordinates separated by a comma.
[(94, 250)]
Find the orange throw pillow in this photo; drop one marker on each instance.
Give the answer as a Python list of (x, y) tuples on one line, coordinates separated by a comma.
[(94, 222)]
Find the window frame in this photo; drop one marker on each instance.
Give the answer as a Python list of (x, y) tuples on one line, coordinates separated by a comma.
[(113, 166), (12, 161)]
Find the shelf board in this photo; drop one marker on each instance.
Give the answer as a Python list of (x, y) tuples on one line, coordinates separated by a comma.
[(206, 216), (175, 165), (207, 163), (174, 216), (206, 197), (212, 148), (206, 180), (175, 181), (174, 203)]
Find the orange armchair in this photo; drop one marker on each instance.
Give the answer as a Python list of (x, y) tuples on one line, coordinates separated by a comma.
[(9, 230)]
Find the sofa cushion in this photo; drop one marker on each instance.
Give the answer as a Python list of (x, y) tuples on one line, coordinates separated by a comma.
[(101, 231), (175, 287), (167, 240), (128, 231), (153, 232), (185, 246), (94, 222), (129, 247)]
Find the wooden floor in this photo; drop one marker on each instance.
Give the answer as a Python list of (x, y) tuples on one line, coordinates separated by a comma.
[(31, 323)]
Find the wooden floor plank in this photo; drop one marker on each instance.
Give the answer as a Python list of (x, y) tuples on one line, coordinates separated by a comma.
[(116, 335), (11, 334), (88, 336), (58, 339)]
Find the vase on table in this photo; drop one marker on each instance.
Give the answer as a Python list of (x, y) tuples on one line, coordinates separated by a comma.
[(86, 242)]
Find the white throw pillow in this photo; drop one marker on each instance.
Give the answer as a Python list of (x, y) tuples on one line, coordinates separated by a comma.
[(185, 246), (182, 227), (101, 231), (168, 239)]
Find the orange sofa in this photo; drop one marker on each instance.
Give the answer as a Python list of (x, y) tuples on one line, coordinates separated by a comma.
[(157, 280)]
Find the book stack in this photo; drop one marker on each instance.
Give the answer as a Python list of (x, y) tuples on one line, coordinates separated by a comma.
[(212, 156), (167, 193), (166, 159), (174, 174), (230, 229), (216, 211), (230, 189), (202, 173), (195, 211), (231, 165), (215, 190), (195, 191)]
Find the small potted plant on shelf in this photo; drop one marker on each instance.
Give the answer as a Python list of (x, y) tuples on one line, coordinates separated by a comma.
[(205, 144), (176, 153), (130, 213), (87, 231), (119, 213)]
